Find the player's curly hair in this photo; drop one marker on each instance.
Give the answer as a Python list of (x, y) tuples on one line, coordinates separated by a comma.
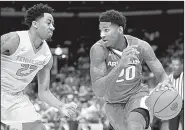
[(113, 16), (35, 12)]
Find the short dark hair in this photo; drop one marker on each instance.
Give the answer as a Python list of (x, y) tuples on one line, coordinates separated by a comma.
[(113, 16), (179, 57), (35, 12)]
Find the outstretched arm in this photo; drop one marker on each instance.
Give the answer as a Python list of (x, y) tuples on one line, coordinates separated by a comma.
[(46, 96), (44, 92)]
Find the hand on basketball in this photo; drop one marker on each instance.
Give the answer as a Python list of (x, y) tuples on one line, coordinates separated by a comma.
[(129, 56), (67, 110), (165, 85)]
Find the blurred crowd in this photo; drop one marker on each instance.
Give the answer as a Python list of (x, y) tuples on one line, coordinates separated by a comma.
[(72, 83)]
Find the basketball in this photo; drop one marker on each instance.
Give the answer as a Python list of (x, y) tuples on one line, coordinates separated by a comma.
[(165, 104)]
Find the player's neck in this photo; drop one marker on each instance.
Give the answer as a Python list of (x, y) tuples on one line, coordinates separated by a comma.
[(35, 40), (121, 43)]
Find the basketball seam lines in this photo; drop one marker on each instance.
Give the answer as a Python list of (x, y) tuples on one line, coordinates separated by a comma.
[(177, 112), (158, 99), (168, 104)]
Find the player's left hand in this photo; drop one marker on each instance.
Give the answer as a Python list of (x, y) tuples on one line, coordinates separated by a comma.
[(67, 110), (165, 85)]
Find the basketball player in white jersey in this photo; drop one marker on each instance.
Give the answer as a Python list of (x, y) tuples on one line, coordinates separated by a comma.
[(25, 54)]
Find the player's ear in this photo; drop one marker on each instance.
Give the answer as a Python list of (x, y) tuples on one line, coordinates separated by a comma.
[(120, 29), (34, 24)]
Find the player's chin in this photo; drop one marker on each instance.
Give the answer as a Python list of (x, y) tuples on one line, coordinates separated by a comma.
[(49, 39), (49, 35), (107, 44)]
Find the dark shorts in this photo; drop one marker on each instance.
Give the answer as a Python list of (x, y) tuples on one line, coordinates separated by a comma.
[(118, 113)]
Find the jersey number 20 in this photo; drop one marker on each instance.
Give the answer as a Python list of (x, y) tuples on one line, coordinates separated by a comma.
[(127, 74), (26, 70)]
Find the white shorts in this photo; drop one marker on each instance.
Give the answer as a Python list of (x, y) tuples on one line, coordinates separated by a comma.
[(17, 108)]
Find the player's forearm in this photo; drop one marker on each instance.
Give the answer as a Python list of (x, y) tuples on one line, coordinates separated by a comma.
[(163, 77), (101, 85), (50, 99)]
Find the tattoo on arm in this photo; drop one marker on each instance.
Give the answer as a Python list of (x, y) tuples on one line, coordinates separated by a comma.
[(101, 69), (148, 53), (98, 72), (5, 38), (157, 68)]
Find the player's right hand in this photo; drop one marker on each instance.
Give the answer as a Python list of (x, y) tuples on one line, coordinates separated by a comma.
[(163, 86), (67, 110), (129, 55)]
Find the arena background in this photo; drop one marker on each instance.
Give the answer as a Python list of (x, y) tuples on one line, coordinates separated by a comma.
[(76, 30)]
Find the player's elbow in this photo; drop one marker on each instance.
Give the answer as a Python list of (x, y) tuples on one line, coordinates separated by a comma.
[(97, 91)]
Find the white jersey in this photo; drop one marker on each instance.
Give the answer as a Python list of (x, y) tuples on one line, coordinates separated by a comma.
[(19, 69)]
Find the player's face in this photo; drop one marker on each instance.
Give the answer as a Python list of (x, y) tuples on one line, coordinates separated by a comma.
[(45, 26), (176, 64), (109, 33)]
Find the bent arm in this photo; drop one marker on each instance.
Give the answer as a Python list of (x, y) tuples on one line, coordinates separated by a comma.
[(101, 81), (158, 70), (154, 64), (44, 92)]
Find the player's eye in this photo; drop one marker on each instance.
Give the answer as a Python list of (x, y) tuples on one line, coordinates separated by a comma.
[(106, 30)]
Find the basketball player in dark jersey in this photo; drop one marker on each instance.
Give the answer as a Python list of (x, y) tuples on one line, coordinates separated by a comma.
[(116, 73)]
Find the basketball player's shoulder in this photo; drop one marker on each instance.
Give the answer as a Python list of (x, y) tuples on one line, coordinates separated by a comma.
[(47, 51), (136, 41), (9, 41), (45, 46), (99, 44), (12, 37), (98, 49)]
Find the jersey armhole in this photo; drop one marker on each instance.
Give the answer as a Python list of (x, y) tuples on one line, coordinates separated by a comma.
[(17, 46)]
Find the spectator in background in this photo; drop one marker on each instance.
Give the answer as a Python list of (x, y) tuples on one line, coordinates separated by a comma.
[(177, 75), (177, 78)]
